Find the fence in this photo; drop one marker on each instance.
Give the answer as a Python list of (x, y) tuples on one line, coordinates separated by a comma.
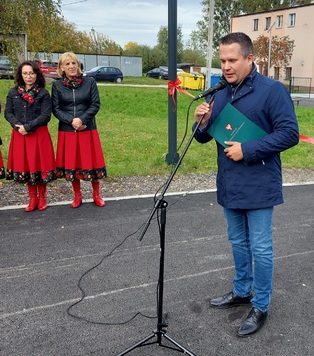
[(130, 66), (300, 85)]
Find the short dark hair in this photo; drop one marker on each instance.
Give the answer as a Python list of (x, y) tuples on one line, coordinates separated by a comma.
[(40, 79), (244, 41)]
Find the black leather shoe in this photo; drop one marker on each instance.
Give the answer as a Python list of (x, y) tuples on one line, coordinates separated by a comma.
[(253, 322), (229, 300)]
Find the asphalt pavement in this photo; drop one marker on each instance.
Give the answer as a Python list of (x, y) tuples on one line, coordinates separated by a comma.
[(52, 259)]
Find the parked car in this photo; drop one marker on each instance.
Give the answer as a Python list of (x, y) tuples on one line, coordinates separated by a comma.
[(6, 69), (160, 72), (107, 74), (48, 68)]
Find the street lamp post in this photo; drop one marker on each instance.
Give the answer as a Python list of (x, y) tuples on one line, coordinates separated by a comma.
[(211, 6), (269, 49), (95, 39)]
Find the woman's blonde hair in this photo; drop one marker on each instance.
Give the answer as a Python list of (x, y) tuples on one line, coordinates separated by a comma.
[(65, 56)]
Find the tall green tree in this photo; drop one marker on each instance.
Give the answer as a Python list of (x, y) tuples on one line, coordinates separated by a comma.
[(36, 18), (162, 41)]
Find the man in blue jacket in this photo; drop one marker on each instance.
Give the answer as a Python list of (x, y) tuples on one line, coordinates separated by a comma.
[(249, 178)]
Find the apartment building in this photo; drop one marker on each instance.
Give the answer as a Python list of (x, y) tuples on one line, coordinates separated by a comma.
[(295, 22)]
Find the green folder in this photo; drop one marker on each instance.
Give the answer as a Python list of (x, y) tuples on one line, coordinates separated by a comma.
[(232, 125)]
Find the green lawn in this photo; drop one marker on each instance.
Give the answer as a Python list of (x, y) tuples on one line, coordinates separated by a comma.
[(133, 126)]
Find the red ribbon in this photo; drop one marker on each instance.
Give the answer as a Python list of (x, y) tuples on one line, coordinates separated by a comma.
[(173, 86), (307, 139)]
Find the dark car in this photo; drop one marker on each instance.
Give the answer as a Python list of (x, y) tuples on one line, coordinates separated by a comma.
[(159, 73), (6, 69), (107, 74)]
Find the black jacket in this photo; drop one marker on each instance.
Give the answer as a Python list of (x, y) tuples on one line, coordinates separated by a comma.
[(82, 102), (32, 116)]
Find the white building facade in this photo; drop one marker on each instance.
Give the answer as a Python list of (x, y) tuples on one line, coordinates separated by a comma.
[(295, 22)]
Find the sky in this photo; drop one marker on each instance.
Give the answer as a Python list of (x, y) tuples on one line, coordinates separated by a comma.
[(126, 21)]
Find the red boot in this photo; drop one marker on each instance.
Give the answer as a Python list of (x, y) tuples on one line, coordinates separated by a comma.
[(42, 194), (96, 195), (33, 200), (76, 184)]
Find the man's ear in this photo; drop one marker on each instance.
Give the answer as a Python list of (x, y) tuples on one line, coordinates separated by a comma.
[(250, 58)]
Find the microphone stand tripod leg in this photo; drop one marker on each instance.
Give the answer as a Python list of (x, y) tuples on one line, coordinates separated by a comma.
[(160, 332)]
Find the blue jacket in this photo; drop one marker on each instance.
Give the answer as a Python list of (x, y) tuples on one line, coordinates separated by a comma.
[(255, 182)]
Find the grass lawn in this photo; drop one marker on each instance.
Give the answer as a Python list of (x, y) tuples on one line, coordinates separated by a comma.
[(133, 126)]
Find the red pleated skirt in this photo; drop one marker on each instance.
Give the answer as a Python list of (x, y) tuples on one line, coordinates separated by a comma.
[(80, 156), (2, 174), (31, 157)]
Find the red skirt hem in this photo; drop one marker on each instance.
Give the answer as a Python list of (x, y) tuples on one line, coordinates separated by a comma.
[(2, 172), (80, 156), (31, 157)]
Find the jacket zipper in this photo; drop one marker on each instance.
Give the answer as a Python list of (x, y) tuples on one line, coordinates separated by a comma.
[(74, 104)]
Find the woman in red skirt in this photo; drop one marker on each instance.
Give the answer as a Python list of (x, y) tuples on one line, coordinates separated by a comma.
[(31, 156), (2, 173), (75, 102)]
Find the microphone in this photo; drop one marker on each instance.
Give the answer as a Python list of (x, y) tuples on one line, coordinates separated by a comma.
[(218, 86)]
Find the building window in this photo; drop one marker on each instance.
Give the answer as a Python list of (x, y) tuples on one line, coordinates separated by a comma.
[(255, 25), (291, 22), (267, 23), (279, 20), (276, 73), (288, 73)]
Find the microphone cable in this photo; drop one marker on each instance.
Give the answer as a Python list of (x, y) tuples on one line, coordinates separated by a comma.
[(84, 296), (88, 271)]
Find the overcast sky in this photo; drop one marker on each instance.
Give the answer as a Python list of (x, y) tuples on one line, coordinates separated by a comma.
[(126, 21)]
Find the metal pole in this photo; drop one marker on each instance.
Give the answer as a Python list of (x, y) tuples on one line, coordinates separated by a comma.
[(172, 156), (209, 56)]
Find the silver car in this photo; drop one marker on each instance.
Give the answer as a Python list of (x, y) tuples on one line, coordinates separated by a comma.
[(6, 69)]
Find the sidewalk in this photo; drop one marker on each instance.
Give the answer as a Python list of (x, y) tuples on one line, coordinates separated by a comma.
[(306, 100)]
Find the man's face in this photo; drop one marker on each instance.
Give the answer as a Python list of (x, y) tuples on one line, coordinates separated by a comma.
[(234, 66)]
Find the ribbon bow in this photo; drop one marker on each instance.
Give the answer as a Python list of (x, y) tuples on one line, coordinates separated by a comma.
[(173, 87)]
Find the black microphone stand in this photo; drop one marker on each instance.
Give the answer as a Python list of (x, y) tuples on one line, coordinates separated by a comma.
[(162, 205)]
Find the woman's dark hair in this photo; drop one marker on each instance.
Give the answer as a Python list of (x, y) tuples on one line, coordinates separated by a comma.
[(244, 41), (40, 79)]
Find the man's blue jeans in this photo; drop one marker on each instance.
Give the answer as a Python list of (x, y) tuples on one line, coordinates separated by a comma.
[(250, 234)]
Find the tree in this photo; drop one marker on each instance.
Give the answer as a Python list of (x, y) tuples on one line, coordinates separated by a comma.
[(193, 56), (162, 41), (280, 54), (36, 18), (101, 44), (131, 49), (69, 39), (47, 31), (41, 17)]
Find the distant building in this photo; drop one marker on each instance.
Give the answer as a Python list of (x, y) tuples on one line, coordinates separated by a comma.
[(130, 66), (295, 22)]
